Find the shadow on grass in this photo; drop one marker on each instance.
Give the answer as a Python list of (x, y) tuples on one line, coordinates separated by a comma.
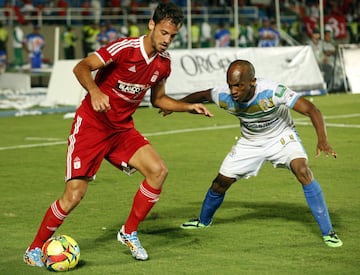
[(236, 212), (261, 211)]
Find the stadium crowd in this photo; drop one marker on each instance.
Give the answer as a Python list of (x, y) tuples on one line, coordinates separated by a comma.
[(89, 24)]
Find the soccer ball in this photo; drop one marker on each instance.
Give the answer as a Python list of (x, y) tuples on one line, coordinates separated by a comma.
[(60, 253)]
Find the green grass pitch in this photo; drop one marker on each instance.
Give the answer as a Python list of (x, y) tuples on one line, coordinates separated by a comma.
[(263, 227)]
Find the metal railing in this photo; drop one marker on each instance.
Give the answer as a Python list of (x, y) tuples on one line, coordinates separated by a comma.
[(74, 15)]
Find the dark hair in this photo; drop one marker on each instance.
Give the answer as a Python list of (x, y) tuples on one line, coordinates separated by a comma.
[(168, 11)]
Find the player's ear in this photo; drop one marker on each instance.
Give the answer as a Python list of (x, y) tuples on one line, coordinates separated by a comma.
[(151, 25), (253, 82)]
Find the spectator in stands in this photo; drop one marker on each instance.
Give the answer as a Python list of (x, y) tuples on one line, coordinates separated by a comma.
[(18, 45), (34, 45), (222, 36), (195, 35), (62, 7), (7, 11), (69, 39), (3, 62), (96, 5), (317, 46), (113, 8), (232, 30), (4, 37), (267, 34), (28, 10), (111, 32), (329, 48), (246, 35), (328, 58), (205, 34), (181, 39), (102, 38), (86, 10), (133, 28), (89, 38)]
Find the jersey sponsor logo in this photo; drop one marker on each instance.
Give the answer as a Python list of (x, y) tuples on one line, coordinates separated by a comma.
[(256, 126), (130, 88)]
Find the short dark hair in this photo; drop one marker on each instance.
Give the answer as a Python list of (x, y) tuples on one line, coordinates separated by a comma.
[(168, 11), (247, 64)]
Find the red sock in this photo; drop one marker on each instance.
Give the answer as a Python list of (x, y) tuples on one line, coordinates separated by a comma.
[(145, 198), (53, 218)]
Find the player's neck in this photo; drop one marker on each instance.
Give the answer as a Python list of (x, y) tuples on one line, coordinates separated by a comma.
[(149, 49)]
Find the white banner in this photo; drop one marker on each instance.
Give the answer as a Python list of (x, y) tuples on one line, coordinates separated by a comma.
[(351, 62), (64, 88), (200, 69)]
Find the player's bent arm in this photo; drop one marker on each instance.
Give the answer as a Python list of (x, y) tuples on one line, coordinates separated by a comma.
[(83, 72), (305, 107)]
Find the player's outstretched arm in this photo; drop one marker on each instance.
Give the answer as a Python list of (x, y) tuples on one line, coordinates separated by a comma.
[(167, 105), (196, 97), (307, 108)]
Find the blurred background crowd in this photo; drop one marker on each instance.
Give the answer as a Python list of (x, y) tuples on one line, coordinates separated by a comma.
[(27, 26)]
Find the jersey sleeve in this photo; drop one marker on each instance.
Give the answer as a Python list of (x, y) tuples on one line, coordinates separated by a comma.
[(104, 55), (216, 92), (284, 95), (111, 51)]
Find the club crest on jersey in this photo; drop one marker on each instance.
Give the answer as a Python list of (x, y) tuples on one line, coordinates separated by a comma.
[(77, 163), (155, 76), (265, 104)]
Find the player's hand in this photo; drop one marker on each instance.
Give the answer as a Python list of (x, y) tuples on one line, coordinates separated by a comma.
[(198, 108), (100, 101), (326, 148), (164, 112)]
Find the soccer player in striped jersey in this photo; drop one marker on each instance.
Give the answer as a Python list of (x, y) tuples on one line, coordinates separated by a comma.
[(268, 134), (103, 126)]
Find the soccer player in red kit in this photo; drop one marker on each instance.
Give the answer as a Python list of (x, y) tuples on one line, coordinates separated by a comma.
[(103, 126)]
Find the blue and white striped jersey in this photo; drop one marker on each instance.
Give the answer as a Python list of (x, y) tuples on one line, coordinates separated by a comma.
[(266, 115)]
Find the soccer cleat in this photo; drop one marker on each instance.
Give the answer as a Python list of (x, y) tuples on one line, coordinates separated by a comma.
[(332, 240), (133, 242), (33, 257), (194, 224)]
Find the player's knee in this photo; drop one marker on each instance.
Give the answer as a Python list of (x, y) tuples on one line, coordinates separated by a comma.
[(304, 174), (70, 200), (221, 184), (74, 192), (158, 173)]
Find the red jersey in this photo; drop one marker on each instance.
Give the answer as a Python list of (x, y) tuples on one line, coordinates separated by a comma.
[(128, 76)]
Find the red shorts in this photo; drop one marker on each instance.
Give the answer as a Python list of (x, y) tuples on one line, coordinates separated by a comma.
[(88, 145)]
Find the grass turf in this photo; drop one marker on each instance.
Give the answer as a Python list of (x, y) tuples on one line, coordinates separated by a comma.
[(263, 227)]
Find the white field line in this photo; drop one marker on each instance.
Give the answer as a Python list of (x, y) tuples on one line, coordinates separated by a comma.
[(43, 139), (297, 121)]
